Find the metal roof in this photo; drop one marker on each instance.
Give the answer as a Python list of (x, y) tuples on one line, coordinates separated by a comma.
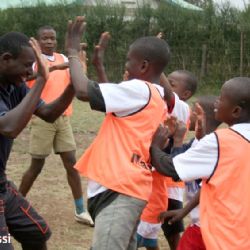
[(4, 4)]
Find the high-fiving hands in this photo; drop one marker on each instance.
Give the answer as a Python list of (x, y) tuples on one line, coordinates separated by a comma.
[(42, 67), (74, 34)]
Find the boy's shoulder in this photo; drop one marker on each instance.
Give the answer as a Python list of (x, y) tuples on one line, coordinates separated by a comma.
[(242, 129)]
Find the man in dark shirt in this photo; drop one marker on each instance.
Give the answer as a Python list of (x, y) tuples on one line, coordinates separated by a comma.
[(17, 104)]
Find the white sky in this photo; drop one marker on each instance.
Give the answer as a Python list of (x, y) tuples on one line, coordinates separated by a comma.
[(235, 3), (5, 3)]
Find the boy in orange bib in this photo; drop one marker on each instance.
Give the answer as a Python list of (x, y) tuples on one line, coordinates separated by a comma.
[(116, 163), (221, 160)]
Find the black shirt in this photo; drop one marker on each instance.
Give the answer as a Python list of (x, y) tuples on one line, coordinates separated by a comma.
[(10, 97)]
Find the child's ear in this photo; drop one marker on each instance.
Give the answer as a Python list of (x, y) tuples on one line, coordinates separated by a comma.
[(186, 95), (237, 112), (6, 56), (144, 66), (5, 59)]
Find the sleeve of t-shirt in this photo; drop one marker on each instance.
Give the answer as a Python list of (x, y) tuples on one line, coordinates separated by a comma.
[(181, 110), (199, 161), (126, 97)]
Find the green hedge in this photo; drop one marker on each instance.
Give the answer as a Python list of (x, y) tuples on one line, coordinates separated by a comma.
[(186, 31)]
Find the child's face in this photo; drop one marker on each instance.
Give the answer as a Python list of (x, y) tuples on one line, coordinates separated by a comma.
[(47, 41), (133, 65), (177, 82), (18, 69), (224, 106)]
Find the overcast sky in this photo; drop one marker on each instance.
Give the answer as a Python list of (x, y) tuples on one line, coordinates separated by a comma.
[(236, 3)]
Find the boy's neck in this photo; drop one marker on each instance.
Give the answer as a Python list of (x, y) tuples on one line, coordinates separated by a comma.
[(210, 127), (155, 80)]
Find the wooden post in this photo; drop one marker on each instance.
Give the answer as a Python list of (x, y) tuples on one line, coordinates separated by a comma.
[(203, 61), (241, 52)]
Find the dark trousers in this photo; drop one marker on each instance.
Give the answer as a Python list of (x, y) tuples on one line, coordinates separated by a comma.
[(19, 219)]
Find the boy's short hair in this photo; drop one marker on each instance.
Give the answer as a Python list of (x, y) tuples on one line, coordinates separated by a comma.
[(191, 80), (45, 27), (154, 50), (13, 42), (240, 92)]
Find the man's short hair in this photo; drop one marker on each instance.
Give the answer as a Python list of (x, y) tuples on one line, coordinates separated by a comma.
[(13, 42)]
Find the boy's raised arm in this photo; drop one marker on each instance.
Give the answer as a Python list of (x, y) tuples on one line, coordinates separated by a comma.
[(98, 57), (168, 92), (73, 38), (51, 111)]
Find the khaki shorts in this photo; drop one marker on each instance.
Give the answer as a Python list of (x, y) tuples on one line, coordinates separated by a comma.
[(44, 136)]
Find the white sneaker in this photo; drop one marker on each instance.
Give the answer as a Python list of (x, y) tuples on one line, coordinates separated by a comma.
[(84, 218)]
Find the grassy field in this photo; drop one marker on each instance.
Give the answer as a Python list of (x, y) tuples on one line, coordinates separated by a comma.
[(50, 194)]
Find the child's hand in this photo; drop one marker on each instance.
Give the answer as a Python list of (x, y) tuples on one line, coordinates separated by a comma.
[(160, 138), (74, 34), (200, 123), (179, 134), (171, 123), (100, 48), (171, 216), (42, 67), (83, 57)]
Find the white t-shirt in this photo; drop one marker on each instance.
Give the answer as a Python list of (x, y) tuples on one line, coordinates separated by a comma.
[(181, 110), (149, 230), (122, 99), (52, 59), (192, 187), (199, 161)]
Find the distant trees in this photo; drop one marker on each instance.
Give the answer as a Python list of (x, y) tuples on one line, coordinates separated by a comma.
[(212, 43)]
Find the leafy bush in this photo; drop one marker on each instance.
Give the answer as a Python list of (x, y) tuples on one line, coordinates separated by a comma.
[(187, 32)]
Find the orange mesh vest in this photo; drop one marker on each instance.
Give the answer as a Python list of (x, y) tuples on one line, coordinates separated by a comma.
[(158, 201), (118, 157), (56, 84), (225, 198)]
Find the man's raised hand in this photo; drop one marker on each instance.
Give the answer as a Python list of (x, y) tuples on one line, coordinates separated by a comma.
[(42, 67)]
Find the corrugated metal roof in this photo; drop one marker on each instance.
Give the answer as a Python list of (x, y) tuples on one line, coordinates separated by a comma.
[(184, 4), (4, 4)]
